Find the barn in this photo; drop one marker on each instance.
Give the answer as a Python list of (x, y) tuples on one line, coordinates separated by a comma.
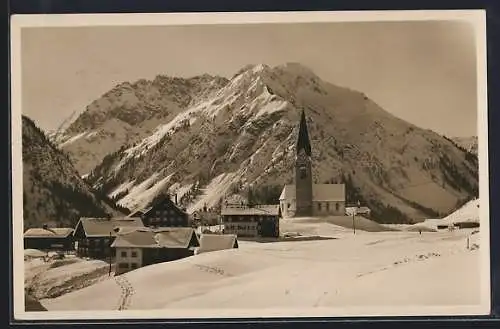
[(46, 238)]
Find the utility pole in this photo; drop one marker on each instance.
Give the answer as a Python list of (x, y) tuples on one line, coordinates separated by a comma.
[(353, 222), (354, 213), (109, 252)]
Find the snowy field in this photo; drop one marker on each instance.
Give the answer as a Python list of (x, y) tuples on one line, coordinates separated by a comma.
[(58, 277), (391, 268)]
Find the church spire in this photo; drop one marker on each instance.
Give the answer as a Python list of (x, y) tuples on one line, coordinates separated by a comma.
[(303, 140)]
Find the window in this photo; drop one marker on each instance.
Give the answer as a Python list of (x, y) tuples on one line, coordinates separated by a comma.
[(288, 206), (133, 266), (123, 265), (337, 206), (327, 206), (319, 206), (123, 254), (134, 254)]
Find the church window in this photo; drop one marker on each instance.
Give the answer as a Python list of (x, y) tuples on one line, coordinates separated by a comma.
[(288, 206)]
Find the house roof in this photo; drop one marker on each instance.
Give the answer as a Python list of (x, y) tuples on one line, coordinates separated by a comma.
[(359, 210), (212, 242), (136, 239), (59, 232), (321, 192), (262, 210), (95, 227), (167, 237), (175, 237)]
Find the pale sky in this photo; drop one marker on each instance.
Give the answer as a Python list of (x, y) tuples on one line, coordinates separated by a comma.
[(422, 72)]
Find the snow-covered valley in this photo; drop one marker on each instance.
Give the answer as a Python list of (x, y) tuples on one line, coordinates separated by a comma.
[(393, 268)]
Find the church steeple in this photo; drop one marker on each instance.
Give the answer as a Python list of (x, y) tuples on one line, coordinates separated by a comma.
[(303, 172), (303, 140)]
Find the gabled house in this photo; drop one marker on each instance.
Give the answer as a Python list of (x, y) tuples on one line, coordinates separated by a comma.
[(215, 242), (162, 213), (146, 246), (94, 236), (256, 221), (46, 238)]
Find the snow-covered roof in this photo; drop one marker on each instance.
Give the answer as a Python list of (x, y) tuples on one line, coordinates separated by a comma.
[(95, 227), (213, 242), (321, 192), (357, 210), (165, 237), (59, 232)]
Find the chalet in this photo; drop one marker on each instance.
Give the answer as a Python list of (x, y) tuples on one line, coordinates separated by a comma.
[(45, 238), (94, 236), (162, 213), (147, 246), (214, 242), (253, 221)]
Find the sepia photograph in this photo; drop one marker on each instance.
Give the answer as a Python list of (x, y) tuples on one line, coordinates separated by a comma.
[(250, 165)]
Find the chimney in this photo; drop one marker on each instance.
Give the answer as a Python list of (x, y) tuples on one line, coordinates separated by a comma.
[(176, 199)]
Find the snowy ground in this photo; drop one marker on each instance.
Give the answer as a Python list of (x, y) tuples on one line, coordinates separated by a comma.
[(58, 277), (394, 268)]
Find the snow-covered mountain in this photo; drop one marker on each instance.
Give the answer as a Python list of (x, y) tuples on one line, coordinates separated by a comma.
[(127, 114), (53, 192), (468, 143), (217, 137)]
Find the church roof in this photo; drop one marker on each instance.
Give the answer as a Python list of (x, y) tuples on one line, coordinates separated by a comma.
[(321, 192), (303, 141)]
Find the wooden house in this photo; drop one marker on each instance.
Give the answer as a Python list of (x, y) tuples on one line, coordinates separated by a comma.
[(256, 221), (215, 242), (45, 238), (146, 246), (162, 213), (94, 236)]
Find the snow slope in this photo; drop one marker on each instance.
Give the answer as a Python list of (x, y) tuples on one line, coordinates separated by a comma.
[(55, 278), (366, 269), (467, 213)]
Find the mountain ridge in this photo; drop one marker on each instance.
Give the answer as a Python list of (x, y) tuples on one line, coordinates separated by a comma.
[(53, 192), (241, 134)]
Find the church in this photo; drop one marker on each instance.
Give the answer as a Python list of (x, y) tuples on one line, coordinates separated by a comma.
[(304, 198)]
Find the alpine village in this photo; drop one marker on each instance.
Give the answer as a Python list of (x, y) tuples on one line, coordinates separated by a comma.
[(212, 165)]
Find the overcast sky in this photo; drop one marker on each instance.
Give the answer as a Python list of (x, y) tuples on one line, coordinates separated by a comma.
[(422, 72)]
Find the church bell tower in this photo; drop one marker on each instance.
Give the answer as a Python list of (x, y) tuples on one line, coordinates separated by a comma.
[(303, 172)]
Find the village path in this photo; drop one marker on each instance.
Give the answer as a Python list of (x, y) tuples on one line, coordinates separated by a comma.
[(127, 291)]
